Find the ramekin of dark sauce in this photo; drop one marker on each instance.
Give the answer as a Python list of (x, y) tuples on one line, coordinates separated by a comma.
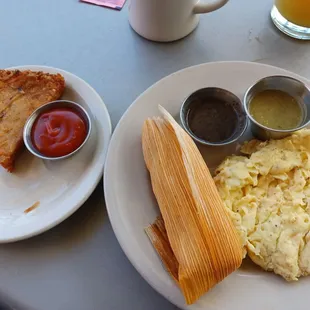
[(213, 116)]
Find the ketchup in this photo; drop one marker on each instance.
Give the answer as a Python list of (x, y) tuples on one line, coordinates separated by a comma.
[(58, 132)]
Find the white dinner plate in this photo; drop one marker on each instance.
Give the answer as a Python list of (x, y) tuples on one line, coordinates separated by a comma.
[(132, 206), (60, 187)]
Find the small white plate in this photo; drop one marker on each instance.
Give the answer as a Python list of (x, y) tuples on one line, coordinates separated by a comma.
[(60, 187), (132, 207)]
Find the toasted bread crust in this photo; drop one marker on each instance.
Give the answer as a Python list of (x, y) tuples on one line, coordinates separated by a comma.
[(22, 92)]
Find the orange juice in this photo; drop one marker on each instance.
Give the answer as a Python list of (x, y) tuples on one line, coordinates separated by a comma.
[(295, 11)]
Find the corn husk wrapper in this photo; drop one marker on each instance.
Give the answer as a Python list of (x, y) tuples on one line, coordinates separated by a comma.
[(195, 237)]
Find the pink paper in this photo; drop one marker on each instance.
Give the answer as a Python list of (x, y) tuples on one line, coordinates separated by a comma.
[(114, 4)]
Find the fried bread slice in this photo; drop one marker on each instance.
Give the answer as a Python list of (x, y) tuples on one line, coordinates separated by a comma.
[(21, 93)]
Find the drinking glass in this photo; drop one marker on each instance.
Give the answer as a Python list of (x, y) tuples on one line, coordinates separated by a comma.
[(292, 17)]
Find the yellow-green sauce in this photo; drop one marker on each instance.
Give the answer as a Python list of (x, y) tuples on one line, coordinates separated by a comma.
[(276, 109)]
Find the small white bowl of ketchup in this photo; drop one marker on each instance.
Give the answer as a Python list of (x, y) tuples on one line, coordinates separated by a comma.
[(57, 130)]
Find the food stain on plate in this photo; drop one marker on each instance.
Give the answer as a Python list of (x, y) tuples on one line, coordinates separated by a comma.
[(33, 207)]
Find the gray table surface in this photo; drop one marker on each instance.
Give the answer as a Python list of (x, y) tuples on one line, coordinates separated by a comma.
[(79, 264)]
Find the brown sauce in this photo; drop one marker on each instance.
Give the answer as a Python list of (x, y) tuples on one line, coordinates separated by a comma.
[(214, 121)]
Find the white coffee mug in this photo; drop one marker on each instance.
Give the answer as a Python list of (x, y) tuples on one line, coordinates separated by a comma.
[(168, 20)]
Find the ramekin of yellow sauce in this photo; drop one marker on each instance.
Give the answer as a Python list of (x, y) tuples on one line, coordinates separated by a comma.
[(277, 106), (276, 109)]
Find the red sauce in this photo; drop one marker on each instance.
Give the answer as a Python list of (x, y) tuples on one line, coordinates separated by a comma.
[(58, 132)]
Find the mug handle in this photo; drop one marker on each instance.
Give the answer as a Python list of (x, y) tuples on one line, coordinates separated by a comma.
[(201, 8)]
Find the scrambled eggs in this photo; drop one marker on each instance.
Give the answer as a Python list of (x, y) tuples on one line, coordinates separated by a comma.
[(267, 195)]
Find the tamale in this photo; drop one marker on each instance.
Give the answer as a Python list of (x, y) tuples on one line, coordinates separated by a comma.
[(195, 238), (158, 236)]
